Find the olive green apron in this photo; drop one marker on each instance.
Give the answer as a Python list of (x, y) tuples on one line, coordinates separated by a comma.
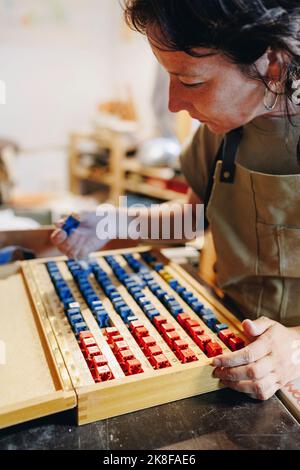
[(255, 223)]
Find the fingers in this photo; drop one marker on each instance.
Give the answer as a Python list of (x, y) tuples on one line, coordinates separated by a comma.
[(261, 389), (76, 246), (257, 327), (58, 236), (65, 244), (268, 393), (79, 248), (255, 371), (251, 353), (60, 222)]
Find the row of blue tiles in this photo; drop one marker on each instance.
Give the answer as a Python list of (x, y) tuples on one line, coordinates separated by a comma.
[(81, 277), (171, 304), (205, 314), (134, 285), (112, 293), (71, 307)]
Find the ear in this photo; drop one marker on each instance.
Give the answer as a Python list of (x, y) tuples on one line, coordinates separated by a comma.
[(277, 62)]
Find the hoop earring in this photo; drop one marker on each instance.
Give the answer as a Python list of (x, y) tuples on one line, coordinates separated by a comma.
[(268, 104)]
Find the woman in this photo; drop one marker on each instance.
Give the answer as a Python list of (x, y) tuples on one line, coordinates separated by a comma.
[(235, 66)]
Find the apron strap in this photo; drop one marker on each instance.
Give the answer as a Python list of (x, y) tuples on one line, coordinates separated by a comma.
[(231, 143), (227, 154), (298, 151)]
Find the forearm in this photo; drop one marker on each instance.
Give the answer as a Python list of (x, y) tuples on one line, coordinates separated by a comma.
[(167, 223)]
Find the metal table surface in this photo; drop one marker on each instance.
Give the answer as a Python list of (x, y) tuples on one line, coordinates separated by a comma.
[(219, 420)]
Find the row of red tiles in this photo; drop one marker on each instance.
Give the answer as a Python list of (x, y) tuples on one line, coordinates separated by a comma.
[(96, 360), (122, 352), (231, 340), (209, 347), (197, 333), (148, 344), (172, 338)]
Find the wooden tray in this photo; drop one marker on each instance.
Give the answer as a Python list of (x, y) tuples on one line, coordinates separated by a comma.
[(46, 371), (33, 377)]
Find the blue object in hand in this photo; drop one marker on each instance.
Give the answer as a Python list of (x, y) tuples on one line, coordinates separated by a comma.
[(70, 225)]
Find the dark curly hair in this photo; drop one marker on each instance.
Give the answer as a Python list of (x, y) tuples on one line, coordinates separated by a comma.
[(242, 30)]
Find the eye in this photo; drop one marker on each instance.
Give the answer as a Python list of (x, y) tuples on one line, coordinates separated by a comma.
[(192, 85)]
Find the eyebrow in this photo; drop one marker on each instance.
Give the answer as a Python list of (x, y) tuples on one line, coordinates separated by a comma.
[(183, 74)]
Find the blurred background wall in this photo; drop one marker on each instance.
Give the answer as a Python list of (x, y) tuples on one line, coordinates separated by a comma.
[(59, 59)]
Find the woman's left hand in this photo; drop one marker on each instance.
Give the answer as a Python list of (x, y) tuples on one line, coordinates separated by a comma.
[(269, 362)]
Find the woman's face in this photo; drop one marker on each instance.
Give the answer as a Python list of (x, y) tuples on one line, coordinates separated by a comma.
[(212, 89)]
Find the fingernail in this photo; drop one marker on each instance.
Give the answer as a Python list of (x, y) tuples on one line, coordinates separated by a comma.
[(61, 236), (217, 363)]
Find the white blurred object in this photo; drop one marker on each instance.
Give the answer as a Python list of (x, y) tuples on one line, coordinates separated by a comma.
[(110, 127), (8, 154), (114, 123), (165, 121), (8, 221), (182, 255), (159, 152), (66, 203)]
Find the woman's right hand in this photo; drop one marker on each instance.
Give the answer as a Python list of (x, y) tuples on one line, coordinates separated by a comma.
[(83, 240)]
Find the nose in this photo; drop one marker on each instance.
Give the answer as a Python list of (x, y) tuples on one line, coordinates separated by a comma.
[(176, 103)]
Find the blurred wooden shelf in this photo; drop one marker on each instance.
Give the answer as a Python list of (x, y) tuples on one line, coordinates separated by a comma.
[(122, 173), (132, 165), (94, 176), (153, 191)]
